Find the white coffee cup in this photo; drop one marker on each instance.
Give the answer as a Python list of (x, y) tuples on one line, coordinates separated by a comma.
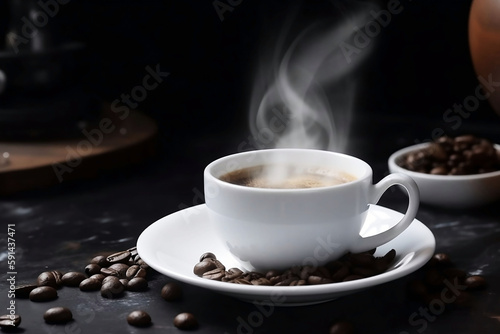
[(268, 228)]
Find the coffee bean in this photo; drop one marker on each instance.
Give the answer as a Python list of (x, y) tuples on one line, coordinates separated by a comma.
[(207, 255), (90, 284), (185, 321), (107, 279), (313, 280), (43, 294), (10, 321), (272, 273), (171, 292), (100, 260), (475, 282), (133, 252), (99, 277), (286, 281), (135, 271), (340, 274), (47, 279), (137, 284), (58, 276), (73, 278), (120, 257), (202, 267), (298, 283), (120, 268), (242, 281), (261, 281), (139, 318), (342, 327), (131, 271), (58, 315), (233, 273), (216, 274), (92, 269), (23, 291), (112, 289), (440, 259), (362, 259), (109, 272)]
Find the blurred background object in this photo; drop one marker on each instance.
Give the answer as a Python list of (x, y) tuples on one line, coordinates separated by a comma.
[(484, 38), (41, 88)]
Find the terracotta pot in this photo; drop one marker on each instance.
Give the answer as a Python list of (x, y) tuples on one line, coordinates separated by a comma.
[(484, 40)]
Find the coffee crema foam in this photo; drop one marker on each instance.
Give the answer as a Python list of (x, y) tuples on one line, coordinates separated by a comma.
[(286, 177)]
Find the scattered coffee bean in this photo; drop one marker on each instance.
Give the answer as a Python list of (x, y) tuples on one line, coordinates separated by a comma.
[(10, 321), (132, 271), (112, 289), (120, 268), (100, 260), (90, 284), (47, 279), (342, 327), (58, 315), (92, 269), (124, 282), (475, 282), (436, 276), (120, 257), (185, 321), (462, 155), (73, 278), (23, 291), (99, 277), (107, 279), (442, 259), (43, 294), (139, 318), (137, 284), (171, 292)]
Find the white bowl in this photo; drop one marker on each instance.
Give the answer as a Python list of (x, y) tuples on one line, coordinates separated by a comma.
[(451, 191)]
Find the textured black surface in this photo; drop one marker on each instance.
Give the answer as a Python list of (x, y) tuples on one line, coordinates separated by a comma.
[(420, 68), (64, 227)]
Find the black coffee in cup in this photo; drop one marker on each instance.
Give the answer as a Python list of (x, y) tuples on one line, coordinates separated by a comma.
[(286, 177)]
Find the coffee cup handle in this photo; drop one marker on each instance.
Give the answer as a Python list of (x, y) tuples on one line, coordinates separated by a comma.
[(376, 192)]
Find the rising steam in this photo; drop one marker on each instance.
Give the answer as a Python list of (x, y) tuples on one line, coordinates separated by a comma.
[(303, 93)]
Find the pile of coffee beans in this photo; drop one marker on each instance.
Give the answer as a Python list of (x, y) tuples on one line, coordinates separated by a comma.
[(348, 268), (462, 155), (112, 275), (439, 276)]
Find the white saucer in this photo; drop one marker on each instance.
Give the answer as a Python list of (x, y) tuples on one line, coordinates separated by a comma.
[(173, 245)]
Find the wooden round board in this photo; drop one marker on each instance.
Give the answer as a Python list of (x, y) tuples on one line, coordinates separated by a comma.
[(113, 141)]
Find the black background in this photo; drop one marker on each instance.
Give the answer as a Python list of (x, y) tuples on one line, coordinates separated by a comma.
[(419, 67)]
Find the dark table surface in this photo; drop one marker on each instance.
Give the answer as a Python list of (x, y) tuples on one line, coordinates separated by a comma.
[(64, 227)]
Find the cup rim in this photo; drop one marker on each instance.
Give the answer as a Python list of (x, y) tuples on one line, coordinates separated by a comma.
[(208, 174)]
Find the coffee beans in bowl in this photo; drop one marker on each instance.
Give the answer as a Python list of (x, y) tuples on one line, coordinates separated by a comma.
[(453, 172)]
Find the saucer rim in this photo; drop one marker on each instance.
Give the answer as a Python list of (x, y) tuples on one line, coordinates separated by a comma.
[(250, 292)]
